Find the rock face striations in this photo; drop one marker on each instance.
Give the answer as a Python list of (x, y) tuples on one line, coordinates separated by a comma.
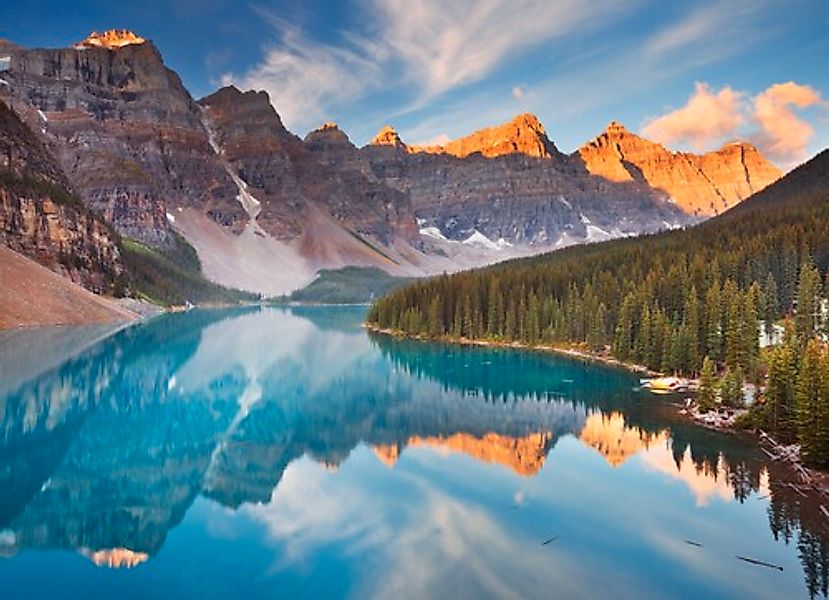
[(701, 185), (510, 186), (125, 131), (523, 135), (266, 210), (42, 220)]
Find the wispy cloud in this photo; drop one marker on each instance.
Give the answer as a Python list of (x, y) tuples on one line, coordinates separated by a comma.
[(305, 78), (708, 29), (425, 47)]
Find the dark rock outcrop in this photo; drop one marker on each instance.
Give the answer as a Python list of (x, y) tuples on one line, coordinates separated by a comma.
[(42, 220)]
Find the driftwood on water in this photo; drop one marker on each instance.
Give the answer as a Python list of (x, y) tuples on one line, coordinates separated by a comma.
[(760, 563)]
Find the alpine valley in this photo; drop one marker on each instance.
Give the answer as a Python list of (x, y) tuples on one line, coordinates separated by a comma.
[(148, 171)]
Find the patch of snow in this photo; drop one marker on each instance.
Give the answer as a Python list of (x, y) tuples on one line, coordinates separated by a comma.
[(672, 226), (4, 82), (42, 115), (420, 222), (171, 218), (5, 63), (479, 239), (596, 234), (564, 201), (251, 205), (433, 232)]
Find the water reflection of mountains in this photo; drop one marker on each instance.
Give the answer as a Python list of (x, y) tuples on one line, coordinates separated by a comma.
[(110, 449)]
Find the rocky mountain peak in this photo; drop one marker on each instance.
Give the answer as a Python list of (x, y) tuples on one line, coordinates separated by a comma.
[(616, 129), (388, 136), (328, 134), (112, 39), (524, 134), (700, 184)]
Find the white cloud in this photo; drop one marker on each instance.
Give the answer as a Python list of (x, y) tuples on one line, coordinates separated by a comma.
[(440, 139), (518, 92), (426, 47), (708, 117), (782, 134), (304, 78), (768, 119)]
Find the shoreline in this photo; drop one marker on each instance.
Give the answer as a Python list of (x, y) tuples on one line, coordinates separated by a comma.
[(810, 478), (570, 352)]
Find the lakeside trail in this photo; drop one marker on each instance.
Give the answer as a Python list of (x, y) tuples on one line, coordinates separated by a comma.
[(803, 480)]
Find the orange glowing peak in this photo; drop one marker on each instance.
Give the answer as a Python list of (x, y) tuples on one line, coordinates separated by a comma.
[(117, 558), (524, 455), (614, 440), (113, 38)]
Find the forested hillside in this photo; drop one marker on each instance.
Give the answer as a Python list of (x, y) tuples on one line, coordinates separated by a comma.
[(666, 301)]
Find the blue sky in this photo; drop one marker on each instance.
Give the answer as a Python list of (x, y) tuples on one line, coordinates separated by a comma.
[(692, 74)]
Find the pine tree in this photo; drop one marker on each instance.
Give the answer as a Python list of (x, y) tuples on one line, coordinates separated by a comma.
[(780, 393), (809, 389), (731, 388), (808, 302), (713, 323), (707, 397), (693, 322)]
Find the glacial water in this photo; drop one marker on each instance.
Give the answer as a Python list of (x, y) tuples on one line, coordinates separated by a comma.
[(266, 453)]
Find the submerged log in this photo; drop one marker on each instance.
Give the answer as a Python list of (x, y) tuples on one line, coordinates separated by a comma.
[(760, 563)]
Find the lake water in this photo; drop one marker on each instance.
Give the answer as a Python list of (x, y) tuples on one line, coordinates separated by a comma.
[(266, 453)]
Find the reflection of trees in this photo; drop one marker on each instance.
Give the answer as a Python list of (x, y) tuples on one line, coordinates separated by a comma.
[(715, 455), (104, 452)]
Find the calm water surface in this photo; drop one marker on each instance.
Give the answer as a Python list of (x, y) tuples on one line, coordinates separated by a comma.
[(269, 453)]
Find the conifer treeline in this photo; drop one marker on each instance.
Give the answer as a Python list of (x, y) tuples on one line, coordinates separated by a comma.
[(688, 302)]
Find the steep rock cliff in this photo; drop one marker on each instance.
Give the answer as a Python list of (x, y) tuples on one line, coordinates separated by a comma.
[(42, 220), (701, 185)]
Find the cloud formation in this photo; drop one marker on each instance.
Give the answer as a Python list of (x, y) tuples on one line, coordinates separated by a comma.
[(708, 116), (428, 47), (782, 134), (768, 119)]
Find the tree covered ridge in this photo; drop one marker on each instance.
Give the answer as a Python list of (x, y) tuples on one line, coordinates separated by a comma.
[(665, 301)]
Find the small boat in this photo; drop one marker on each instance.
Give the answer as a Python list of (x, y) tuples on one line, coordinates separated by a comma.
[(665, 385)]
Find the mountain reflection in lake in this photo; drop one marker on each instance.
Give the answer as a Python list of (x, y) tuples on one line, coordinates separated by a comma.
[(268, 452)]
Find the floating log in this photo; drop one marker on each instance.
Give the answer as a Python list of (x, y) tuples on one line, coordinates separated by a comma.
[(760, 563), (693, 543), (549, 541)]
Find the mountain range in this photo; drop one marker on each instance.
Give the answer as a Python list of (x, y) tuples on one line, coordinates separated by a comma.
[(266, 210)]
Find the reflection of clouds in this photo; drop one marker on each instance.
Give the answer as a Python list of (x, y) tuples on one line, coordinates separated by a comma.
[(253, 341), (305, 512), (704, 485), (421, 540), (257, 342)]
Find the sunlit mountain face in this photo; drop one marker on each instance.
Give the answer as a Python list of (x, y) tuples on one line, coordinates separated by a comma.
[(262, 447)]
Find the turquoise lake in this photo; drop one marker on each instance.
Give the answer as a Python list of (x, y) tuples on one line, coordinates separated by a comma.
[(267, 452)]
